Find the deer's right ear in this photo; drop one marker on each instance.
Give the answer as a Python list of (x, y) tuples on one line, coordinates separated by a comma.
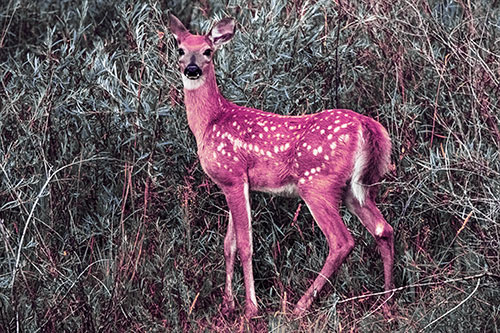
[(222, 32), (177, 28)]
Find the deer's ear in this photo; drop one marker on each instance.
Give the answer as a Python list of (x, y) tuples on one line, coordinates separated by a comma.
[(222, 32), (177, 28)]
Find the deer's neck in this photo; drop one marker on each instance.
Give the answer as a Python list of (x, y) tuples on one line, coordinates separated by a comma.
[(203, 105)]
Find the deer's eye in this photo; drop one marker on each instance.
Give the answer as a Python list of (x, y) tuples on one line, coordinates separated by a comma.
[(181, 52), (207, 52)]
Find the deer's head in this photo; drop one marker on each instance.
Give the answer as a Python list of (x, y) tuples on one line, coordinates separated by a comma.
[(196, 51)]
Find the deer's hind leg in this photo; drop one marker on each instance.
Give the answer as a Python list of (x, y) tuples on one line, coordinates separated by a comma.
[(324, 208), (372, 219)]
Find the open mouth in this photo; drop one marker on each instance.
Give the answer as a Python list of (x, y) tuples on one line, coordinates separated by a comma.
[(193, 76)]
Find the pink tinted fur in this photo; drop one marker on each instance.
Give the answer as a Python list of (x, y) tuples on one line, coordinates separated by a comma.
[(275, 150), (325, 157)]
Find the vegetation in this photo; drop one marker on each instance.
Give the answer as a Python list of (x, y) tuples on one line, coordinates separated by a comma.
[(108, 223)]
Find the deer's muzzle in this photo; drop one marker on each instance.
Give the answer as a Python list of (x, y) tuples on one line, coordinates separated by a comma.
[(192, 72)]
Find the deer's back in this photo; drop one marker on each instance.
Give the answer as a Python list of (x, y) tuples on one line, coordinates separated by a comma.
[(277, 153)]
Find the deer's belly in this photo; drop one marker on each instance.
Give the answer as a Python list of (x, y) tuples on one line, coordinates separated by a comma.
[(273, 177), (286, 190)]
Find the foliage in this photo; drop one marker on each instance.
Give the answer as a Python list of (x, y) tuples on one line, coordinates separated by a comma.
[(108, 223)]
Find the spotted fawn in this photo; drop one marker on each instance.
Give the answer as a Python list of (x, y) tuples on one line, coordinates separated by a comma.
[(324, 158)]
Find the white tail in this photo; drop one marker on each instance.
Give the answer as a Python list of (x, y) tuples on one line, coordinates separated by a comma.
[(324, 158)]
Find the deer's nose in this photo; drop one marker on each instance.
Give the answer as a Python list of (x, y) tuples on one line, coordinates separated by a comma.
[(192, 71)]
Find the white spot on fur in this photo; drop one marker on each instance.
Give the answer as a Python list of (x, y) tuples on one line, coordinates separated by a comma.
[(379, 230), (343, 138)]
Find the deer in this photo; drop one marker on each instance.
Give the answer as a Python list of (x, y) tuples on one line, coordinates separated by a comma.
[(324, 158)]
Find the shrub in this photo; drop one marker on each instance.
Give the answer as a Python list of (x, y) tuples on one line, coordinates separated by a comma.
[(108, 222)]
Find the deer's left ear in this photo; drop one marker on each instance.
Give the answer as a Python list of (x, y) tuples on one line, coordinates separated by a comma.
[(222, 32)]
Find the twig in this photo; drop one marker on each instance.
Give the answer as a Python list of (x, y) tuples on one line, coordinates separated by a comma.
[(455, 307), (476, 276), (7, 24), (30, 216), (436, 100), (337, 71)]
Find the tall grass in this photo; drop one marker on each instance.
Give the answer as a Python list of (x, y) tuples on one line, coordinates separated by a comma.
[(108, 223)]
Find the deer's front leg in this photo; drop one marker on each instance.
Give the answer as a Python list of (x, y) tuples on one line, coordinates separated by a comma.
[(229, 255), (237, 198)]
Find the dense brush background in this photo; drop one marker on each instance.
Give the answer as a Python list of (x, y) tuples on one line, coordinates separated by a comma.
[(108, 223)]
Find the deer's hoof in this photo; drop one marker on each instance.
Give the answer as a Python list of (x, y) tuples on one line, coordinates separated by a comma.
[(299, 311), (227, 307), (302, 306), (251, 311), (387, 311)]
